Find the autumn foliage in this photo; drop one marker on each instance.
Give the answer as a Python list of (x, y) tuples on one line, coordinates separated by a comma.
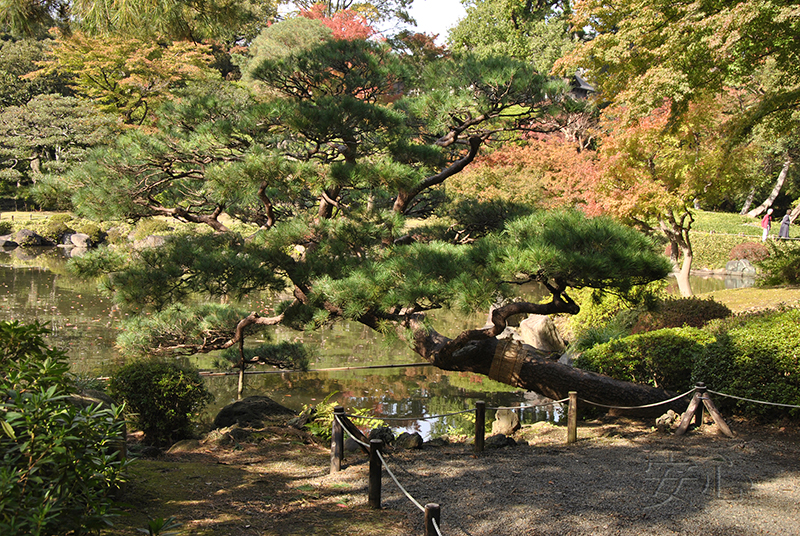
[(346, 24)]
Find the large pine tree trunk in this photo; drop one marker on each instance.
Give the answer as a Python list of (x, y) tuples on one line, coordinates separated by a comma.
[(521, 365)]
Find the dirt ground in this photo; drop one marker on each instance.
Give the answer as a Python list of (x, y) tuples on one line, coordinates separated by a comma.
[(621, 477)]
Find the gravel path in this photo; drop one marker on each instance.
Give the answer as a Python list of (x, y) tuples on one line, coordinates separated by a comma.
[(617, 480)]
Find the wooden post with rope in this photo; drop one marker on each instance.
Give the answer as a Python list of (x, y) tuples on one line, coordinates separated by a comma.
[(375, 469), (572, 418), (695, 405), (433, 513), (480, 425), (337, 440)]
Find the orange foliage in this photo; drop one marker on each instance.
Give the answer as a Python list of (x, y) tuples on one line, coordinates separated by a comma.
[(346, 24)]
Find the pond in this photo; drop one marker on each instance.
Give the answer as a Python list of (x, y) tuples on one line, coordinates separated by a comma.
[(36, 286)]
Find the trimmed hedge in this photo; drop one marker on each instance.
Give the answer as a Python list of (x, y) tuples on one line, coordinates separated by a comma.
[(754, 356), (663, 358)]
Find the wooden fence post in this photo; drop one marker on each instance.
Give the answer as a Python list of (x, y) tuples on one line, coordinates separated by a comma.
[(337, 440), (480, 425), (695, 405), (572, 418), (432, 512), (375, 470)]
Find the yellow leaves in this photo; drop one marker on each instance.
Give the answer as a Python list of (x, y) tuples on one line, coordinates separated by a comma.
[(128, 75)]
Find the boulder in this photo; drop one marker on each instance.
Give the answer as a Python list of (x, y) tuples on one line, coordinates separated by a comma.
[(184, 446), (668, 422), (498, 441), (383, 433), (253, 412), (408, 441), (28, 238), (81, 240), (438, 442), (540, 332), (506, 422), (7, 242)]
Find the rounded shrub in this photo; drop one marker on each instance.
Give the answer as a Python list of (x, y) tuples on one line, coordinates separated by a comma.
[(149, 227), (57, 227), (751, 251), (6, 227), (680, 312), (162, 397), (663, 358), (95, 232), (60, 462)]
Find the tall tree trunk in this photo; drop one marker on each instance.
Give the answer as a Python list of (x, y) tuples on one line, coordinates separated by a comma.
[(748, 202), (775, 189), (677, 229)]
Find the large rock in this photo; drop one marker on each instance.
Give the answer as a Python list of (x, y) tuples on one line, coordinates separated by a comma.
[(151, 241), (7, 242), (408, 441), (27, 238), (81, 240), (506, 422), (253, 412), (384, 433), (498, 441), (540, 332)]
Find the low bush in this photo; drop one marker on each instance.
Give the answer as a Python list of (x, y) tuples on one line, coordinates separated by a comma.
[(663, 358), (57, 226), (95, 232), (6, 227), (782, 266), (754, 356), (149, 227), (162, 398), (750, 251), (59, 463), (680, 312)]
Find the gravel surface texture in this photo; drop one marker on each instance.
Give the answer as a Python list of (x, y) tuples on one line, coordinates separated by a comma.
[(620, 478)]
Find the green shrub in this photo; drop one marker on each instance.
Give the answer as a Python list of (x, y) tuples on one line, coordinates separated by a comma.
[(680, 312), (751, 251), (663, 358), (95, 232), (754, 356), (6, 227), (57, 227), (149, 227), (782, 267), (611, 315), (60, 463), (162, 397)]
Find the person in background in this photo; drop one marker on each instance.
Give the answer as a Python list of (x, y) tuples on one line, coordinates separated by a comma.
[(785, 223), (766, 223)]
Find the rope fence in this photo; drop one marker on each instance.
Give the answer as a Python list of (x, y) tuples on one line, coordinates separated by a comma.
[(700, 401)]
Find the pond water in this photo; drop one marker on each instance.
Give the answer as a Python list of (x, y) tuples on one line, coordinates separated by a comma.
[(36, 286)]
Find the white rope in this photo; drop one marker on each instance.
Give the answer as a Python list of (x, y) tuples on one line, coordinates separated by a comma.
[(372, 418), (410, 498), (553, 403), (755, 401), (639, 407), (436, 527), (348, 432)]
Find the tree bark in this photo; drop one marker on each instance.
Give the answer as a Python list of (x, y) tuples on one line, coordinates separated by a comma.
[(521, 365), (775, 189)]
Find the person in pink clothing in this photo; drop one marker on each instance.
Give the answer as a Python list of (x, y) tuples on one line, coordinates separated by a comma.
[(766, 223)]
